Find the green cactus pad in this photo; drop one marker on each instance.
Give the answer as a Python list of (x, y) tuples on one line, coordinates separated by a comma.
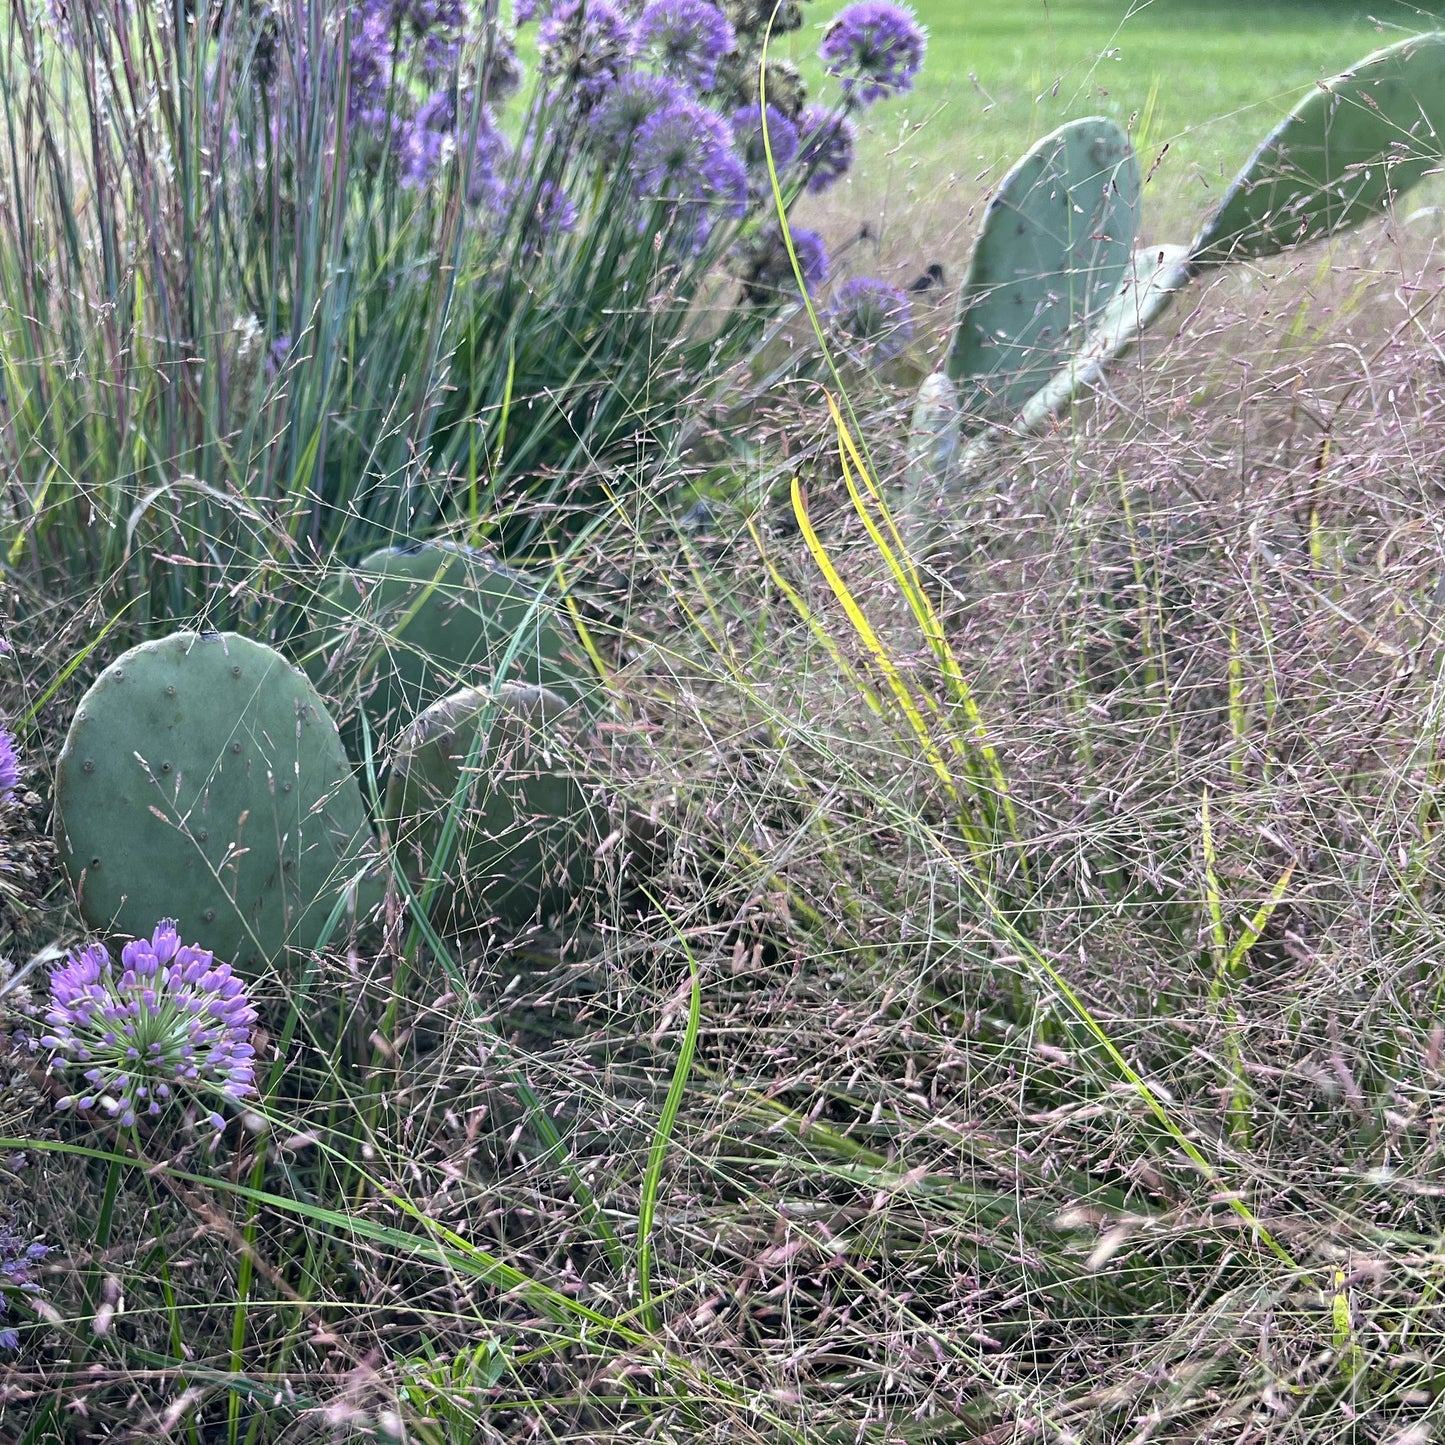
[(1350, 147), (933, 444), (1156, 275), (203, 780), (1052, 252), (526, 833), (407, 627)]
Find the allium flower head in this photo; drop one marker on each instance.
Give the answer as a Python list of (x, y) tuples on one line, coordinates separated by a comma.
[(768, 269), (875, 48), (17, 1262), (826, 143), (686, 39), (173, 1020), (782, 137), (371, 58), (547, 209), (872, 319), (683, 156), (585, 47), (9, 765), (426, 141), (433, 31), (636, 98)]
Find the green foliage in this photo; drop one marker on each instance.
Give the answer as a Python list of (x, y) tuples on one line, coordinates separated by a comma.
[(203, 779), (233, 338), (1351, 148)]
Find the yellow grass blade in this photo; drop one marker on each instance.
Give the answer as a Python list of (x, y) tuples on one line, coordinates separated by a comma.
[(873, 643)]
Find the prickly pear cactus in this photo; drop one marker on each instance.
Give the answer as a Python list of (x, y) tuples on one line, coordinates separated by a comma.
[(526, 833), (203, 780), (1155, 276), (1344, 154), (1053, 250), (408, 626)]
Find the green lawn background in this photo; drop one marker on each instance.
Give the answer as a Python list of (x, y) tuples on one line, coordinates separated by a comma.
[(1198, 83)]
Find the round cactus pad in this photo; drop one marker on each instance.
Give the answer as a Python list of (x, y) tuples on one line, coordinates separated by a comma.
[(500, 761), (203, 780), (1344, 154), (1053, 250), (408, 626)]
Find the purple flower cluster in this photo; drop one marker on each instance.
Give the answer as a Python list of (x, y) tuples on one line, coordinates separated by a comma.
[(686, 39), (433, 31), (585, 47), (446, 123), (872, 319), (826, 142), (875, 48), (9, 765), (782, 136), (683, 156), (768, 269), (173, 1020), (549, 209), (17, 1259), (635, 99)]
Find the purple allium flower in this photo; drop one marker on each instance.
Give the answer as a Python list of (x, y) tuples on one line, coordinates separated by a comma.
[(826, 145), (425, 141), (486, 182), (174, 1019), (871, 318), (768, 269), (371, 58), (524, 11), (550, 211), (782, 137), (682, 156), (874, 48), (585, 47), (17, 1258), (9, 764), (636, 98), (686, 39), (812, 255), (443, 124), (433, 31)]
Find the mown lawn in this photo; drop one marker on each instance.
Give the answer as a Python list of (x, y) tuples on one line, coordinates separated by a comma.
[(1198, 83)]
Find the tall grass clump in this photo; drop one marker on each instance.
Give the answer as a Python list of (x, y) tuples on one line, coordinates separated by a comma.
[(281, 283)]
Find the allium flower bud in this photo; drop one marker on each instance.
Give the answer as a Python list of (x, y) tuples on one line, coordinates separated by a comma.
[(173, 1021)]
